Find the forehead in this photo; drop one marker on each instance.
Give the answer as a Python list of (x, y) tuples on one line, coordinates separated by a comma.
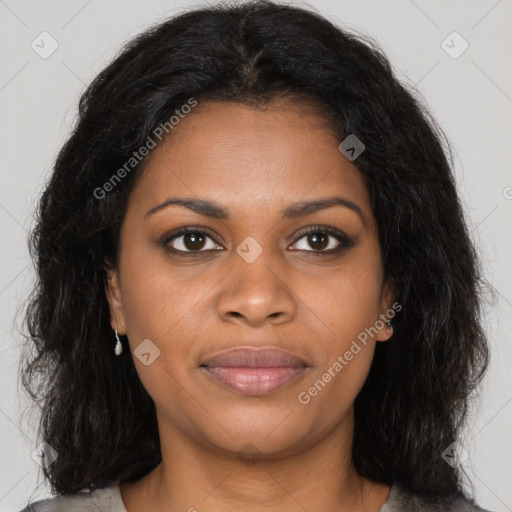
[(239, 155)]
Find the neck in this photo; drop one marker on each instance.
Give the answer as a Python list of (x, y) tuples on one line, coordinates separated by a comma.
[(193, 477)]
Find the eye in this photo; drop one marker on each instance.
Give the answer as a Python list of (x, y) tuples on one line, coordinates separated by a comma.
[(190, 240), (194, 241), (323, 240)]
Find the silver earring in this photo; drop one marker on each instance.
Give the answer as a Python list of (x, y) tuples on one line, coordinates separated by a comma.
[(119, 347), (390, 327)]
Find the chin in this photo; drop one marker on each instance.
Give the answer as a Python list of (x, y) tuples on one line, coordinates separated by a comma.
[(269, 435)]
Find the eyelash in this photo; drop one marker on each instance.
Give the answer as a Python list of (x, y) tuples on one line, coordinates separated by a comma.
[(345, 241)]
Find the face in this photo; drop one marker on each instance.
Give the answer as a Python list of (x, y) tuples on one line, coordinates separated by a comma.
[(261, 270)]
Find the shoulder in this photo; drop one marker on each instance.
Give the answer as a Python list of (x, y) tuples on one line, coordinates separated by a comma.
[(108, 498), (403, 500)]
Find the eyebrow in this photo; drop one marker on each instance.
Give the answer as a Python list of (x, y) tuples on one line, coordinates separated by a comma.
[(296, 210)]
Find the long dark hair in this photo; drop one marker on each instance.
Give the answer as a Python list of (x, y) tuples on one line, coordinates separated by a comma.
[(95, 412)]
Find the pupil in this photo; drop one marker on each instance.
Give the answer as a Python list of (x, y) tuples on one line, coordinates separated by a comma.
[(196, 241), (313, 240)]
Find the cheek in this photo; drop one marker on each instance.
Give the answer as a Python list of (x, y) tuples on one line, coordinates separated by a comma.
[(161, 304), (346, 307), (348, 300), (346, 347), (156, 297), (330, 394), (160, 308)]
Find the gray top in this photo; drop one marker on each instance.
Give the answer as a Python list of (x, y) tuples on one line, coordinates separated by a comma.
[(109, 499)]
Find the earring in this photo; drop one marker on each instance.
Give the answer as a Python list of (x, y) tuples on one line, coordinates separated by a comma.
[(119, 347), (390, 327)]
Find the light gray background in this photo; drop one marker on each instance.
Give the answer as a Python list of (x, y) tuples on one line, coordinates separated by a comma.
[(471, 96)]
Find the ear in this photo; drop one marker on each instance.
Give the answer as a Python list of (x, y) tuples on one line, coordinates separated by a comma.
[(113, 294), (386, 306)]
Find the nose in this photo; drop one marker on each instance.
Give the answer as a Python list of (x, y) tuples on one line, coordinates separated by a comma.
[(257, 292)]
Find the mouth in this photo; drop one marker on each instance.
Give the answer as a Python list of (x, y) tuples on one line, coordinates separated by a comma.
[(254, 371)]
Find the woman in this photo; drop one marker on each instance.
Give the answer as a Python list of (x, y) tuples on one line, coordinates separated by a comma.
[(257, 289)]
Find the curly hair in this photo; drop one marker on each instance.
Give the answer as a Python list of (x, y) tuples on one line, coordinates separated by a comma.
[(414, 402)]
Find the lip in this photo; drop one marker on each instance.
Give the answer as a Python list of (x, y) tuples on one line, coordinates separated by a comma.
[(254, 371)]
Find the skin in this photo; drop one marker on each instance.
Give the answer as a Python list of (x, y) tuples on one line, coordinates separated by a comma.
[(253, 163)]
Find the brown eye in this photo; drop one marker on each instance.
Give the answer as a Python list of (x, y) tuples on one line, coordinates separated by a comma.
[(318, 241), (193, 241), (323, 241), (190, 240)]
